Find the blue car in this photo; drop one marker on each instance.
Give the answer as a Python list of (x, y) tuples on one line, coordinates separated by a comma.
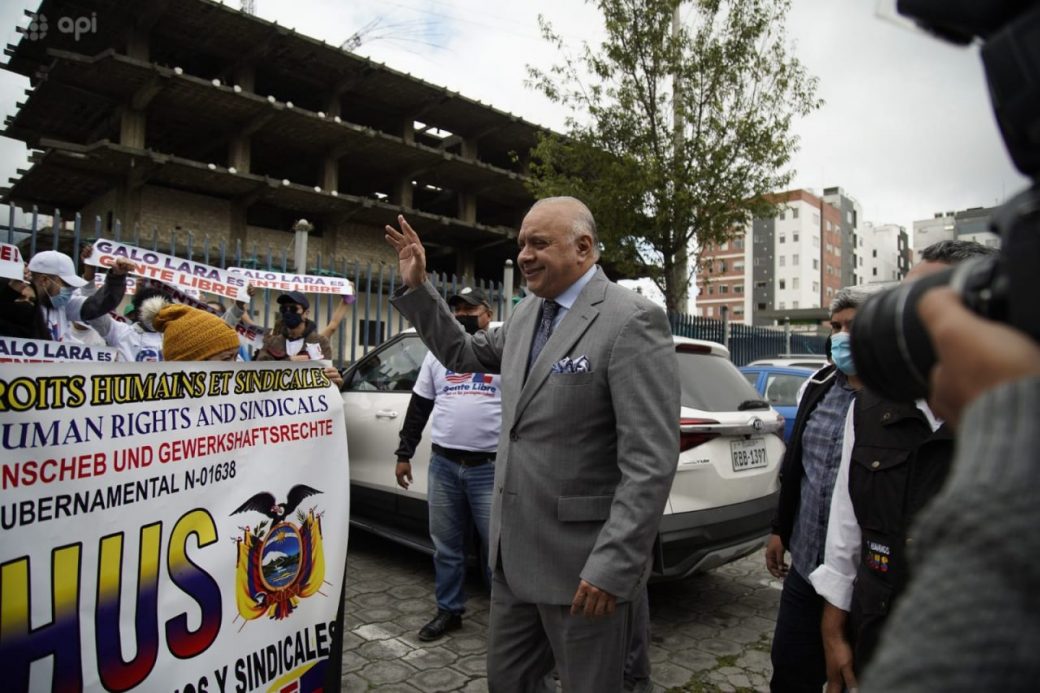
[(779, 385)]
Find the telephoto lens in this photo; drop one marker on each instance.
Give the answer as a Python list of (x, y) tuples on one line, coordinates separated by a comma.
[(892, 350)]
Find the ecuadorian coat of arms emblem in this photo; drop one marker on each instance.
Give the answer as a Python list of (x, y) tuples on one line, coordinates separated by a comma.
[(280, 563)]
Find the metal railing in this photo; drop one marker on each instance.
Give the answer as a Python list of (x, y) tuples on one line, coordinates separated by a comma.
[(371, 319)]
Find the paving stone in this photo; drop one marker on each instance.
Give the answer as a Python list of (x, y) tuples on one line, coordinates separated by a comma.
[(432, 658), (438, 680), (415, 606), (466, 644), (756, 661), (352, 683), (720, 647), (413, 591), (378, 673), (671, 675), (473, 664), (475, 686), (396, 688), (378, 631), (385, 649), (695, 660), (374, 599), (376, 615)]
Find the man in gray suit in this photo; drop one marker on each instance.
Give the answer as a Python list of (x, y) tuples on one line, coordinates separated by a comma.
[(588, 448)]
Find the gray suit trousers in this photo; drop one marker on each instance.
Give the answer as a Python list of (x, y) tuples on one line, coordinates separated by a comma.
[(525, 640)]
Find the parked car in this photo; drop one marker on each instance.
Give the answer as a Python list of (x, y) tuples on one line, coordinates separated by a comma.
[(779, 385), (722, 499), (813, 361)]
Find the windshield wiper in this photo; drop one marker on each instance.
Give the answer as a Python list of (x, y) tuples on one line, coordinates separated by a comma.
[(753, 404)]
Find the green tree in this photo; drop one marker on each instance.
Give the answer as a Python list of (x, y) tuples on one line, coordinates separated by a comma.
[(676, 131)]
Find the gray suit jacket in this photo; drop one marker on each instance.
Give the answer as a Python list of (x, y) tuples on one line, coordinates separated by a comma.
[(585, 460)]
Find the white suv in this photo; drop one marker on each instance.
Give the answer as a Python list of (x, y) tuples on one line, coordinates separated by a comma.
[(722, 499)]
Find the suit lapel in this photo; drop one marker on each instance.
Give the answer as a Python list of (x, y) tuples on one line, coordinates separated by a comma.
[(574, 324)]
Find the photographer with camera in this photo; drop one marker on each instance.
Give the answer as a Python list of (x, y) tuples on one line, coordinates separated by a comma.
[(970, 336)]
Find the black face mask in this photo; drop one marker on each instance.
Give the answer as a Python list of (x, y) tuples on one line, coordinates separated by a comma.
[(291, 319), (469, 323)]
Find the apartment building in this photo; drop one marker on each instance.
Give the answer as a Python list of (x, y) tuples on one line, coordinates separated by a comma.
[(969, 225), (792, 261), (886, 253)]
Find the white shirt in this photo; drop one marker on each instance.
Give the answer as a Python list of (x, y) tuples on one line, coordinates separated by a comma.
[(568, 297), (467, 407), (834, 579)]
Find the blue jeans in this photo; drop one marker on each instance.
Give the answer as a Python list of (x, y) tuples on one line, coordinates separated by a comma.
[(798, 661), (459, 497)]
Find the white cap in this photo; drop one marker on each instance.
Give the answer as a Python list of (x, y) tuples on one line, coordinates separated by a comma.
[(60, 264)]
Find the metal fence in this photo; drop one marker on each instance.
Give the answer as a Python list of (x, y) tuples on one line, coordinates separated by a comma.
[(370, 319)]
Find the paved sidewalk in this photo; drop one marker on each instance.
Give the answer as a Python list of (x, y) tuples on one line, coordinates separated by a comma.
[(709, 633)]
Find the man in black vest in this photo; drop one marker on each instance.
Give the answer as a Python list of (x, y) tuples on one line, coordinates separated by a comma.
[(895, 458)]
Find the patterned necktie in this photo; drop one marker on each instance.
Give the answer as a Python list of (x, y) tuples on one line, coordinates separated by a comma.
[(545, 327)]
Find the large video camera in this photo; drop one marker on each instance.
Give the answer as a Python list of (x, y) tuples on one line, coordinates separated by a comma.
[(892, 350)]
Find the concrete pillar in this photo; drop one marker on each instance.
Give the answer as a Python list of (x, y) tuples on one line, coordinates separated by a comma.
[(132, 128), (408, 131), (468, 207), (239, 153), (469, 148), (137, 44), (465, 263), (330, 173), (334, 106), (237, 230), (402, 193)]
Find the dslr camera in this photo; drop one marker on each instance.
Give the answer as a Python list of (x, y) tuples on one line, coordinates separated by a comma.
[(892, 350)]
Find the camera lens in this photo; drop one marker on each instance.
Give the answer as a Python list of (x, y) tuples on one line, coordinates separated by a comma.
[(890, 347)]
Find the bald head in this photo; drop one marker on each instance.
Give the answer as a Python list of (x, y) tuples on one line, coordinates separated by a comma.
[(558, 244)]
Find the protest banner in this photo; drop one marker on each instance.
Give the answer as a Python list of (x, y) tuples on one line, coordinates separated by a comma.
[(18, 350), (304, 283), (171, 526), (11, 264), (183, 274), (132, 283)]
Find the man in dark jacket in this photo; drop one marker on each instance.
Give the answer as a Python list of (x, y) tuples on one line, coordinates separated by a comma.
[(294, 337)]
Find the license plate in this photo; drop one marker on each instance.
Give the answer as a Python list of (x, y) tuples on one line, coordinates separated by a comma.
[(748, 454)]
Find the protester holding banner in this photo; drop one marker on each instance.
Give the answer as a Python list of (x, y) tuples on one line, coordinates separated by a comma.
[(294, 337), (55, 281)]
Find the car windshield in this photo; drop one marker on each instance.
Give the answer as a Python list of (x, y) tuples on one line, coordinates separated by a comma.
[(712, 383)]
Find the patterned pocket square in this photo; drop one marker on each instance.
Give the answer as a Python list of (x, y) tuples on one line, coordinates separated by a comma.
[(569, 365)]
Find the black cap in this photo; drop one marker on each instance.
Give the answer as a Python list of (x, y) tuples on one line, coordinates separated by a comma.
[(472, 295), (294, 297)]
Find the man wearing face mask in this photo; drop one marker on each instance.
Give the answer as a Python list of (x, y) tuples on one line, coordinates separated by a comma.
[(807, 476), (467, 417), (58, 305), (294, 337)]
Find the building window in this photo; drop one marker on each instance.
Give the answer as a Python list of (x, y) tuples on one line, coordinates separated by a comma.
[(815, 264), (711, 290), (815, 219), (781, 217), (816, 287), (794, 260), (738, 289), (707, 311), (739, 310), (738, 243), (761, 306), (781, 305), (760, 285), (875, 271), (860, 262), (816, 241), (724, 289), (874, 252), (794, 283), (830, 292), (722, 265), (738, 265), (794, 304), (783, 284), (794, 237), (794, 213), (782, 260), (783, 238)]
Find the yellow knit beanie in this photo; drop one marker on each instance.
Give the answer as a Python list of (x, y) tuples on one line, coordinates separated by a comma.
[(190, 334)]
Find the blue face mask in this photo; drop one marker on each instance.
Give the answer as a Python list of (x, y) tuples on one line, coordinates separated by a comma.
[(841, 353), (62, 299)]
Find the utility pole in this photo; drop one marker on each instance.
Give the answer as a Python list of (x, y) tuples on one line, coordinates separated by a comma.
[(681, 261)]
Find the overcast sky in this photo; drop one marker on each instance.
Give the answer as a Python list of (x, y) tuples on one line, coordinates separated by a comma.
[(906, 128)]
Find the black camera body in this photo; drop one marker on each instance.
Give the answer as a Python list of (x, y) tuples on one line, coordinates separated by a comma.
[(892, 350)]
